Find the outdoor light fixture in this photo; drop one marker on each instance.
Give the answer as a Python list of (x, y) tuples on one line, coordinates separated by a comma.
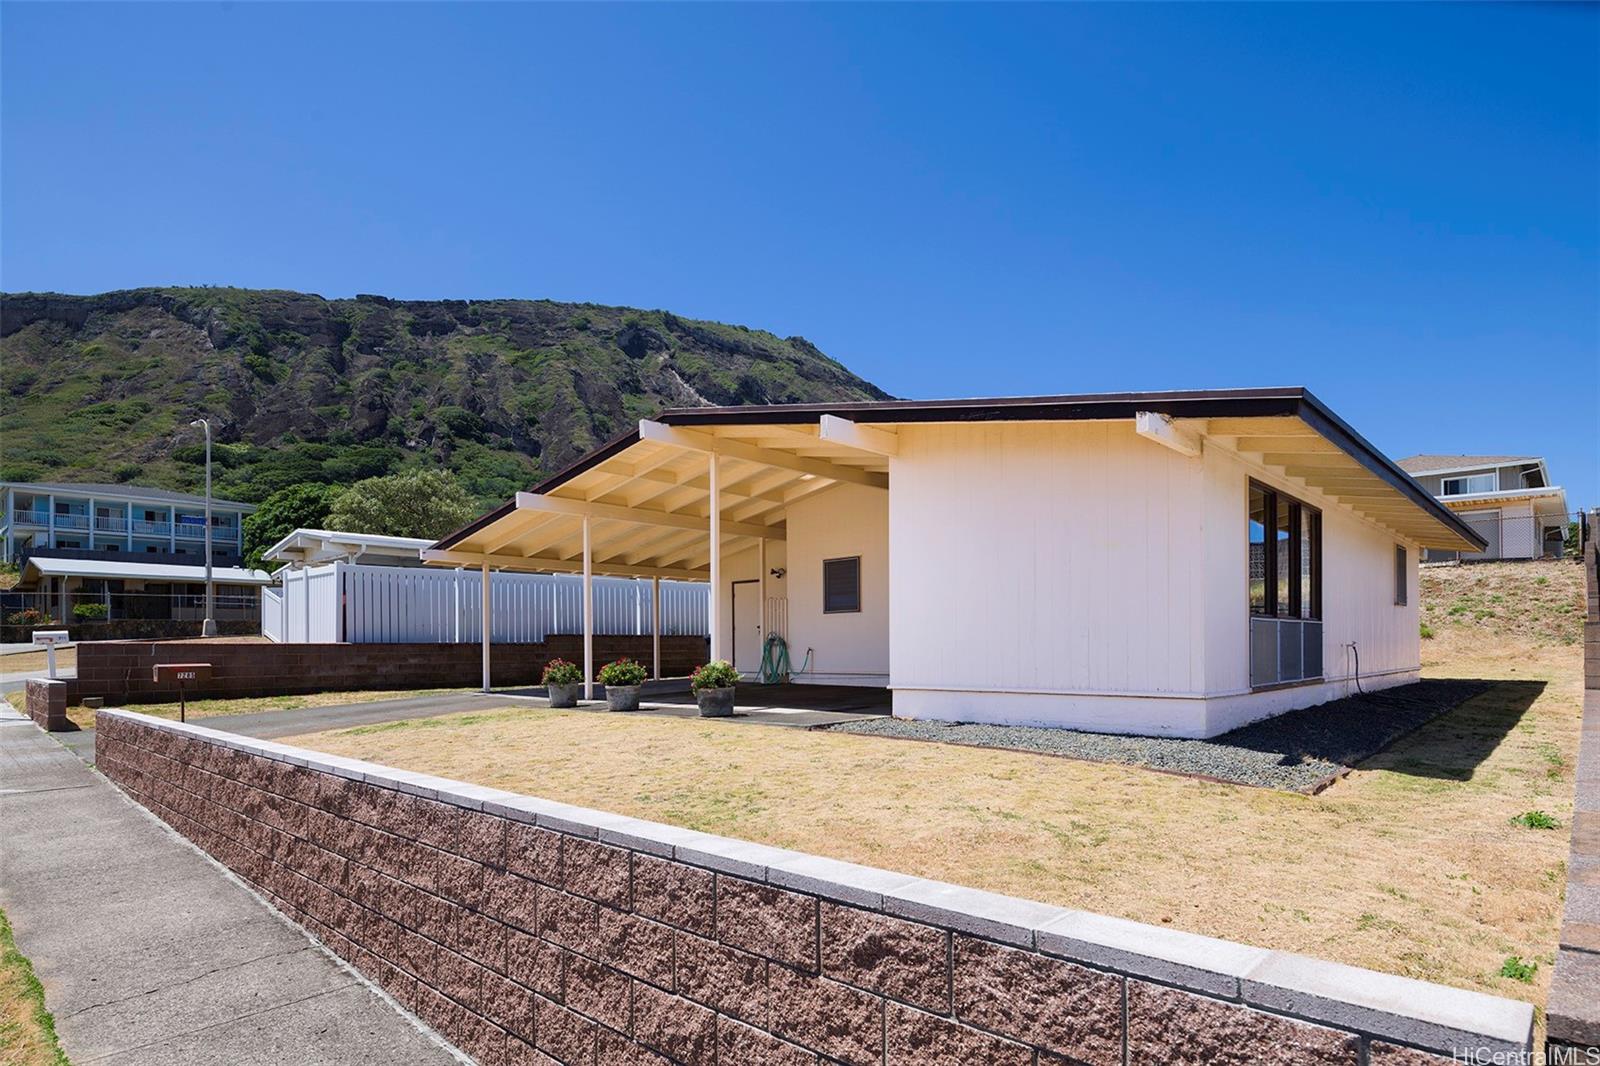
[(778, 572)]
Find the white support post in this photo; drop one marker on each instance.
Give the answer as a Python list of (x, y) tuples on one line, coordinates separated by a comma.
[(761, 607), (488, 621), (588, 615), (655, 627), (172, 532), (714, 612), (130, 525)]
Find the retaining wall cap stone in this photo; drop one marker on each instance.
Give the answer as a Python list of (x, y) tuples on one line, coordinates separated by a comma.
[(843, 882), (970, 910), (1396, 1008), (742, 858), (1173, 956)]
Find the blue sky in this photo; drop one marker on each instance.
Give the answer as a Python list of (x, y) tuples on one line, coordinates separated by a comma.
[(1394, 205)]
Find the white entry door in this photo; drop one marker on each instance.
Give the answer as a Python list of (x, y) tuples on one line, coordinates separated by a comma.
[(747, 626)]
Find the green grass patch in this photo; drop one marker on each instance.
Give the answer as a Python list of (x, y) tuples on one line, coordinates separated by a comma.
[(1536, 820), (26, 1025), (1518, 970)]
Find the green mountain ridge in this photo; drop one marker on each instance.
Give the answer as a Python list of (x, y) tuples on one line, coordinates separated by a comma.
[(301, 388)]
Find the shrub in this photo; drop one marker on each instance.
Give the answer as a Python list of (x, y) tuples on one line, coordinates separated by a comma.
[(717, 674), (30, 617), (1536, 820), (561, 672), (1518, 970), (1426, 631), (623, 672), (90, 612)]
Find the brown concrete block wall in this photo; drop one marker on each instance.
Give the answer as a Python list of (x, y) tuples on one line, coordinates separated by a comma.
[(120, 671), (46, 701), (528, 943)]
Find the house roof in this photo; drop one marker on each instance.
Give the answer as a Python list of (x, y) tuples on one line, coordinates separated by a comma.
[(646, 492), (123, 492), (39, 566), (315, 545), (1427, 464)]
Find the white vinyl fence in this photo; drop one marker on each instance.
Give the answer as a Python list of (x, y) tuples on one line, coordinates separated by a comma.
[(397, 605)]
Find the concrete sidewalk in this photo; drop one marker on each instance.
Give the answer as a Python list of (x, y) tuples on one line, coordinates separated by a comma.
[(150, 953)]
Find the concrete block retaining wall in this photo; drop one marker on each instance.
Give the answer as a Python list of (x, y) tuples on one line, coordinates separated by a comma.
[(527, 931), (120, 671), (1573, 1016), (46, 702)]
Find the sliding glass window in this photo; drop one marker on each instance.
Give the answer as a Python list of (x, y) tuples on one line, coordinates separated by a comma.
[(1285, 545), (1285, 567)]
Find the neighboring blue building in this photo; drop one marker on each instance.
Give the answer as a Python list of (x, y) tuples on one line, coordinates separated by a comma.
[(137, 553), (114, 521)]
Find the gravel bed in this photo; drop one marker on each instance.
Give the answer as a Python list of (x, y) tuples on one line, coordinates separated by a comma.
[(1301, 751)]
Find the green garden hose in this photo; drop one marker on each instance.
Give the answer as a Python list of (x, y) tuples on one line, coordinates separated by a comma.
[(775, 668)]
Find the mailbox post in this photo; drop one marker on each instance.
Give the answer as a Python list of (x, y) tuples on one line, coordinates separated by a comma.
[(49, 638), (182, 674)]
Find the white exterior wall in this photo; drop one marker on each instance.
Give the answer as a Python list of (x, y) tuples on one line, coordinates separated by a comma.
[(1357, 600), (1076, 574), (1046, 573), (846, 649)]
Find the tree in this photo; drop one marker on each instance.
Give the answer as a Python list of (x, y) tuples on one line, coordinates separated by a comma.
[(303, 506), (424, 503)]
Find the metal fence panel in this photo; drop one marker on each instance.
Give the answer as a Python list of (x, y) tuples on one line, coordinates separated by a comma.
[(385, 604)]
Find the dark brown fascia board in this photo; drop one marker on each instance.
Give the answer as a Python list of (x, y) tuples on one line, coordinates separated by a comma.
[(1293, 401), (1202, 403)]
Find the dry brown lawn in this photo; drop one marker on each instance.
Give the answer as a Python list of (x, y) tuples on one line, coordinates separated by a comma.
[(1410, 865)]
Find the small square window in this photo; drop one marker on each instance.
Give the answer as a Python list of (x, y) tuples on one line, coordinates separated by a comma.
[(841, 585), (1399, 577)]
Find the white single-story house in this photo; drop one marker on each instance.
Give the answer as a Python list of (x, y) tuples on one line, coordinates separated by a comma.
[(1508, 499), (131, 588), (1166, 563)]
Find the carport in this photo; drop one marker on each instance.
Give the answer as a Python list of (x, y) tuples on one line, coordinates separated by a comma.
[(653, 503)]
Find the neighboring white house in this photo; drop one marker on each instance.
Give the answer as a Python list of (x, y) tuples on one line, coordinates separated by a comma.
[(1508, 499), (1170, 563), (369, 589)]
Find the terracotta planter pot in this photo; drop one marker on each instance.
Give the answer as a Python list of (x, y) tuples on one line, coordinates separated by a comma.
[(714, 702), (564, 695), (623, 697)]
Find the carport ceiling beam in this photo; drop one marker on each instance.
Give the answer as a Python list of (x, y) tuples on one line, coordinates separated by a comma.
[(705, 442), (871, 439), (527, 501), (558, 566)]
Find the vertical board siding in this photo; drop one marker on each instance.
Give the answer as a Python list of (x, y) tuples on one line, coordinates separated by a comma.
[(409, 605), (1045, 557)]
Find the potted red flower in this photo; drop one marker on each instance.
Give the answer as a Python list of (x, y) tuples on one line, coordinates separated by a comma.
[(713, 688), (561, 680)]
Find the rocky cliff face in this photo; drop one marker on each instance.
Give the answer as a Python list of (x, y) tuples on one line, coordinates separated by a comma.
[(101, 388)]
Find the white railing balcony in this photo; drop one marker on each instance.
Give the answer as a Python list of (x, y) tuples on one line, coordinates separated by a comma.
[(72, 521), (33, 518), (141, 528), (191, 531), (103, 524)]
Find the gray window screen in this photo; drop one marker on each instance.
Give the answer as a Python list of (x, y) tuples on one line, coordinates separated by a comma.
[(841, 585)]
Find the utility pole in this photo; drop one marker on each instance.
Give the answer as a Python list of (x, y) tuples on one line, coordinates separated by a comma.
[(208, 628)]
